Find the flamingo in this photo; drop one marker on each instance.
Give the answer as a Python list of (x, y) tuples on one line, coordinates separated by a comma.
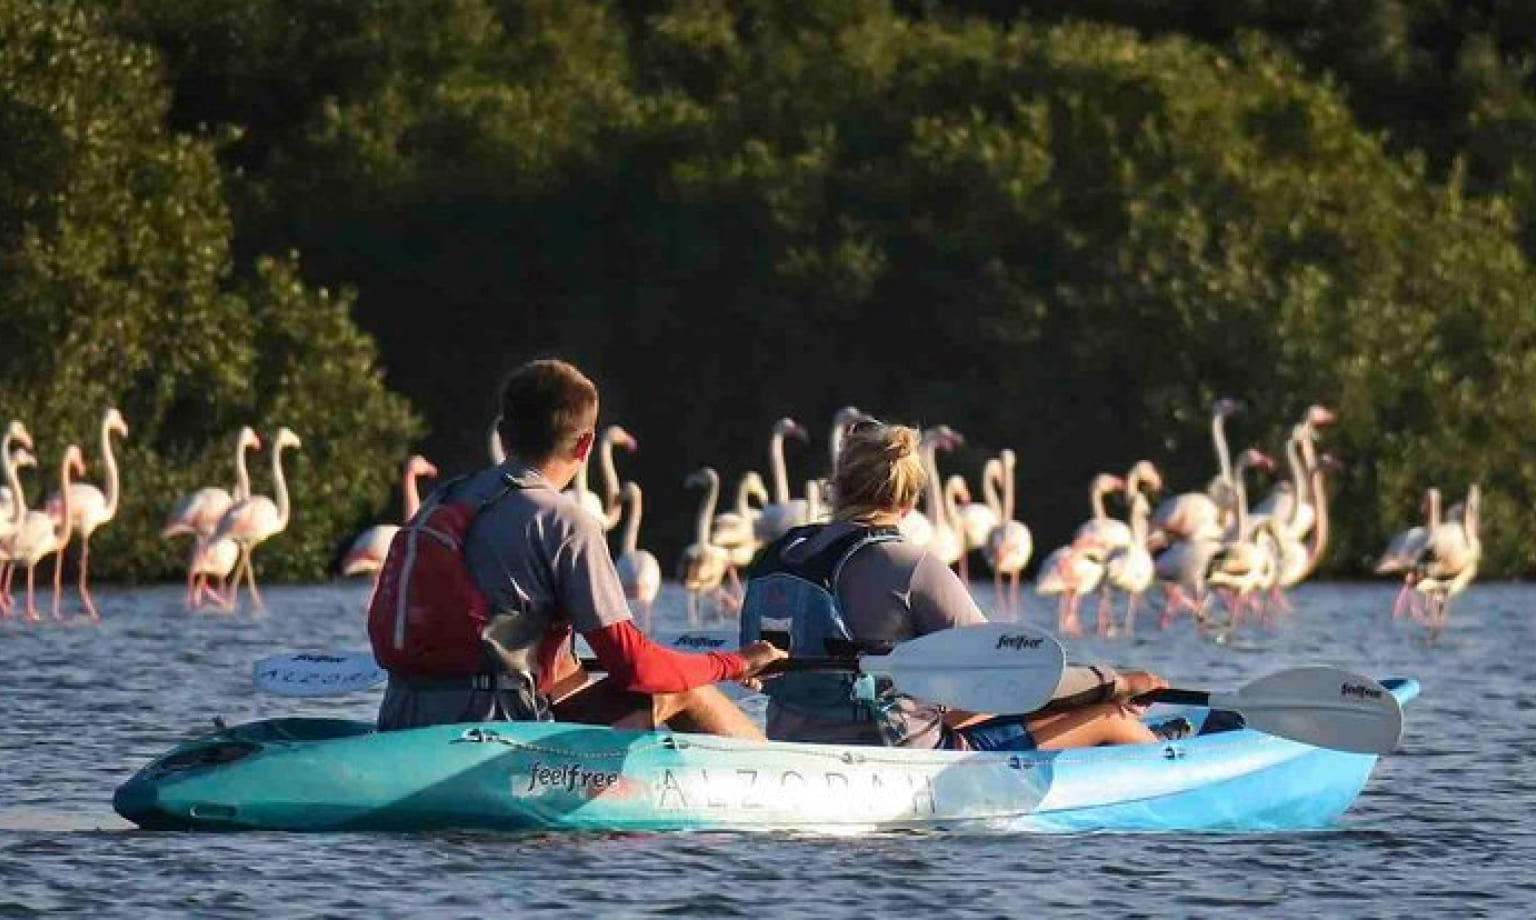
[(13, 509), (703, 565), (1071, 571), (1450, 560), (736, 530), (255, 519), (1245, 561), (368, 549), (605, 508), (977, 520), (1101, 530), (948, 541), (639, 572), (13, 446), (1301, 548), (198, 514), (1129, 568), (784, 512), (1406, 548), (91, 506), (1291, 504), (1010, 544), (1181, 516), (918, 527), (41, 534)]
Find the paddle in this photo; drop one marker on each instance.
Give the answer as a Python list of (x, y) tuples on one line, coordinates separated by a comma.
[(1321, 706), (983, 668)]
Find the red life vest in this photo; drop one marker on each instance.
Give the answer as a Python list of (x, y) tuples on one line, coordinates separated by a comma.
[(427, 613)]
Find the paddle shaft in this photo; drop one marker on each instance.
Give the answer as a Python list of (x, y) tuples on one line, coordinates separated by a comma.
[(781, 666), (1172, 695)]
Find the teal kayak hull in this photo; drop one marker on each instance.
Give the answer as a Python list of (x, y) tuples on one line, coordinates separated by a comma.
[(338, 775)]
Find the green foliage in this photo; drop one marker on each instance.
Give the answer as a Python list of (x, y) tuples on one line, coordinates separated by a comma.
[(117, 288), (1053, 233)]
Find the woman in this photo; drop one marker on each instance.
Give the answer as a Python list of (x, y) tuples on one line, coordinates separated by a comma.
[(855, 581)]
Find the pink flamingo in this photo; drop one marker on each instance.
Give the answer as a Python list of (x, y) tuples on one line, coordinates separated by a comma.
[(639, 571), (13, 450), (198, 514), (703, 564), (783, 512), (41, 534), (1011, 543), (256, 518), (368, 549), (90, 506), (1404, 551), (1179, 517)]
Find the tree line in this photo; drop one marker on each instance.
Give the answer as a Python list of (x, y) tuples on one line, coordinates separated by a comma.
[(1061, 228)]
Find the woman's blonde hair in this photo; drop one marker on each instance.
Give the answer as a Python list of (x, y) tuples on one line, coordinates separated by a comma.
[(879, 470)]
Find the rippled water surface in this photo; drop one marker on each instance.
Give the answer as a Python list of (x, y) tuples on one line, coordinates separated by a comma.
[(1445, 825)]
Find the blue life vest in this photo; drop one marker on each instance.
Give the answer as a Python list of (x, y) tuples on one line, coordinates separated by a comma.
[(797, 601)]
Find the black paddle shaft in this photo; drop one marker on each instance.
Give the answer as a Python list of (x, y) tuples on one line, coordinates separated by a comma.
[(1171, 695)]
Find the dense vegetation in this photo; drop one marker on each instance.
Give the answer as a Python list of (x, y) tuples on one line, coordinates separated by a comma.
[(1063, 228)]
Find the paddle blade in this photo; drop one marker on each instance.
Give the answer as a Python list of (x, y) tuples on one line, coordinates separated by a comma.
[(311, 674), (1322, 706), (989, 667)]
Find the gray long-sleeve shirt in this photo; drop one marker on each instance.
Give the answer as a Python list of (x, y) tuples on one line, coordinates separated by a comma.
[(894, 591)]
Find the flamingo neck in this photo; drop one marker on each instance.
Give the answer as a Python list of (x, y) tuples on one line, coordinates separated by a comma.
[(991, 476), (1096, 499), (952, 500), (632, 525), (707, 510), (1298, 478), (1223, 455), (1240, 498), (1319, 535), (1008, 487), (1141, 512), (410, 494), (1470, 516), (812, 499), (109, 460), (933, 503), (66, 509), (612, 500), (280, 486), (13, 479), (242, 473), (777, 467)]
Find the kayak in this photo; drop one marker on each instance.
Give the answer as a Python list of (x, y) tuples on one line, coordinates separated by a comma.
[(305, 774)]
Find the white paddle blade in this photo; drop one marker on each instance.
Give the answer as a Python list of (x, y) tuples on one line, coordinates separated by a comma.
[(311, 674), (989, 667), (1321, 706)]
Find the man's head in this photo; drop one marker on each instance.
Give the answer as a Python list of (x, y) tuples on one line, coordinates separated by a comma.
[(548, 414)]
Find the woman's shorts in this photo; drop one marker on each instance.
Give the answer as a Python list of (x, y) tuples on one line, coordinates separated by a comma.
[(1003, 733)]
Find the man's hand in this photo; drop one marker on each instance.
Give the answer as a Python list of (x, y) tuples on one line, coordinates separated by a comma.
[(759, 655)]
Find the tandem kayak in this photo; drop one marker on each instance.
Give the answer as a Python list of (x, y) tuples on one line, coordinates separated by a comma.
[(302, 774)]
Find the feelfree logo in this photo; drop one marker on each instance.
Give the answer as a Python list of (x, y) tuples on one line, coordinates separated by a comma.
[(1359, 691), (1019, 643)]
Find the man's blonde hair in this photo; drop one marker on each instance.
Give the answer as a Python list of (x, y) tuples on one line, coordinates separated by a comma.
[(879, 470)]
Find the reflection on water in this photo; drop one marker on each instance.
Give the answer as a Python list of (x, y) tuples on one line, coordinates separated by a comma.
[(1445, 823)]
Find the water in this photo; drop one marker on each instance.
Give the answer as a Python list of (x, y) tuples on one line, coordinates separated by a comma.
[(1444, 825)]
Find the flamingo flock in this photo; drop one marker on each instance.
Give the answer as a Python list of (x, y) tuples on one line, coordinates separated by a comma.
[(1207, 550)]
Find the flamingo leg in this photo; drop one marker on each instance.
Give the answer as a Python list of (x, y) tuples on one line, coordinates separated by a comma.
[(1106, 611), (250, 573), (31, 594), (1132, 601), (85, 565), (10, 574), (58, 583), (5, 594)]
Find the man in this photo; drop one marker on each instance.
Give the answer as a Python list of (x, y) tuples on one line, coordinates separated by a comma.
[(534, 567)]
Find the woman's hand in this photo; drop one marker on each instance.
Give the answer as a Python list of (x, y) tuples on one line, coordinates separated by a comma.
[(1131, 684), (759, 655)]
